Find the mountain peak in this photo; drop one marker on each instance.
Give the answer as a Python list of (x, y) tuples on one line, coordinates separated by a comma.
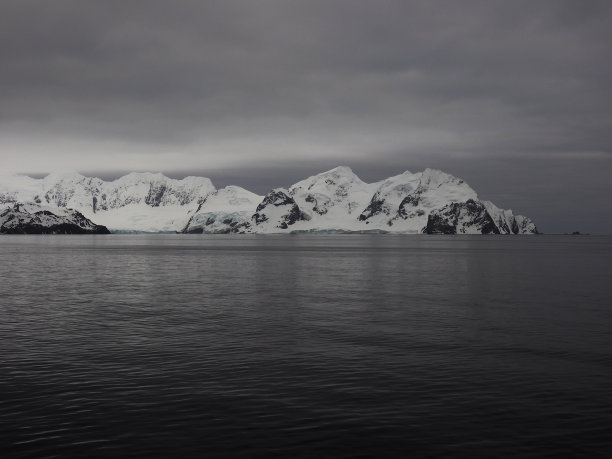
[(433, 178), (343, 170), (71, 176), (142, 177), (436, 174), (338, 176), (336, 199), (339, 172)]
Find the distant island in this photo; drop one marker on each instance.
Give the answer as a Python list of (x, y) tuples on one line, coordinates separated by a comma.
[(335, 201)]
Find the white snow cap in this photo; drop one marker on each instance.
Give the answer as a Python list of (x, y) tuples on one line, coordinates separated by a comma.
[(334, 200)]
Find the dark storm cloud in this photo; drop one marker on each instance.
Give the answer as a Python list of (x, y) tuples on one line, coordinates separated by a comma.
[(499, 92)]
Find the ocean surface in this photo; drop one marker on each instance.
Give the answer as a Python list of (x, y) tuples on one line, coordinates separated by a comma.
[(305, 346)]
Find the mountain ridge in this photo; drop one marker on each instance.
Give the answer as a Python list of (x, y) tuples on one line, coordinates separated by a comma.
[(336, 200)]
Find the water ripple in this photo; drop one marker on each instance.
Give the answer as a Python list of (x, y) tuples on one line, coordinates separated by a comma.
[(344, 346)]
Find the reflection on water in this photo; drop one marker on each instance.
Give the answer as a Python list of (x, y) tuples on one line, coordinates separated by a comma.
[(311, 346)]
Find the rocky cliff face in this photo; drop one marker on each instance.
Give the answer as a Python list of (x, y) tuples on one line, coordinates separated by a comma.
[(470, 217), (277, 211), (36, 219), (336, 200), (402, 203)]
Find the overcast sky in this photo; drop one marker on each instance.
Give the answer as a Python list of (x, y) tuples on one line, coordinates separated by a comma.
[(513, 96)]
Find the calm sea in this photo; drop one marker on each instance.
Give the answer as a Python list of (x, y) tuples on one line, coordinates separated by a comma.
[(305, 346)]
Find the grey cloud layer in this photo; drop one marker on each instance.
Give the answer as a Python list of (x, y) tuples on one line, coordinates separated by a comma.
[(221, 86)]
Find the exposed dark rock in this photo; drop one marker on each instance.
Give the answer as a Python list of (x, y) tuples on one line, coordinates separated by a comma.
[(375, 207), (279, 198), (320, 208), (456, 217), (440, 224), (515, 227), (21, 220), (156, 193), (276, 198), (196, 230), (62, 228), (378, 206), (259, 217), (342, 191), (411, 200)]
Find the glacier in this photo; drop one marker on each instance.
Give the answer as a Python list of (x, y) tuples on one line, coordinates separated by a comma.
[(333, 201)]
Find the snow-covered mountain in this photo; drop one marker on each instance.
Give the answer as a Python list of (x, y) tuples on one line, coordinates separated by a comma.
[(404, 202), (228, 210), (134, 202), (36, 219), (336, 200), (337, 194), (277, 211)]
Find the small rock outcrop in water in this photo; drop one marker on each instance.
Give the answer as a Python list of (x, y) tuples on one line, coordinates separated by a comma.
[(35, 219), (336, 201)]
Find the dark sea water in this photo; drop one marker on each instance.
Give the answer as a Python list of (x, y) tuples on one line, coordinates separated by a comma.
[(305, 346)]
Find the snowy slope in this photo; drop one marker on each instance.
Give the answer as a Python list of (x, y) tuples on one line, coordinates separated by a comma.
[(404, 202), (389, 195), (134, 202), (336, 200), (18, 188), (339, 200), (331, 200), (228, 210), (507, 222)]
